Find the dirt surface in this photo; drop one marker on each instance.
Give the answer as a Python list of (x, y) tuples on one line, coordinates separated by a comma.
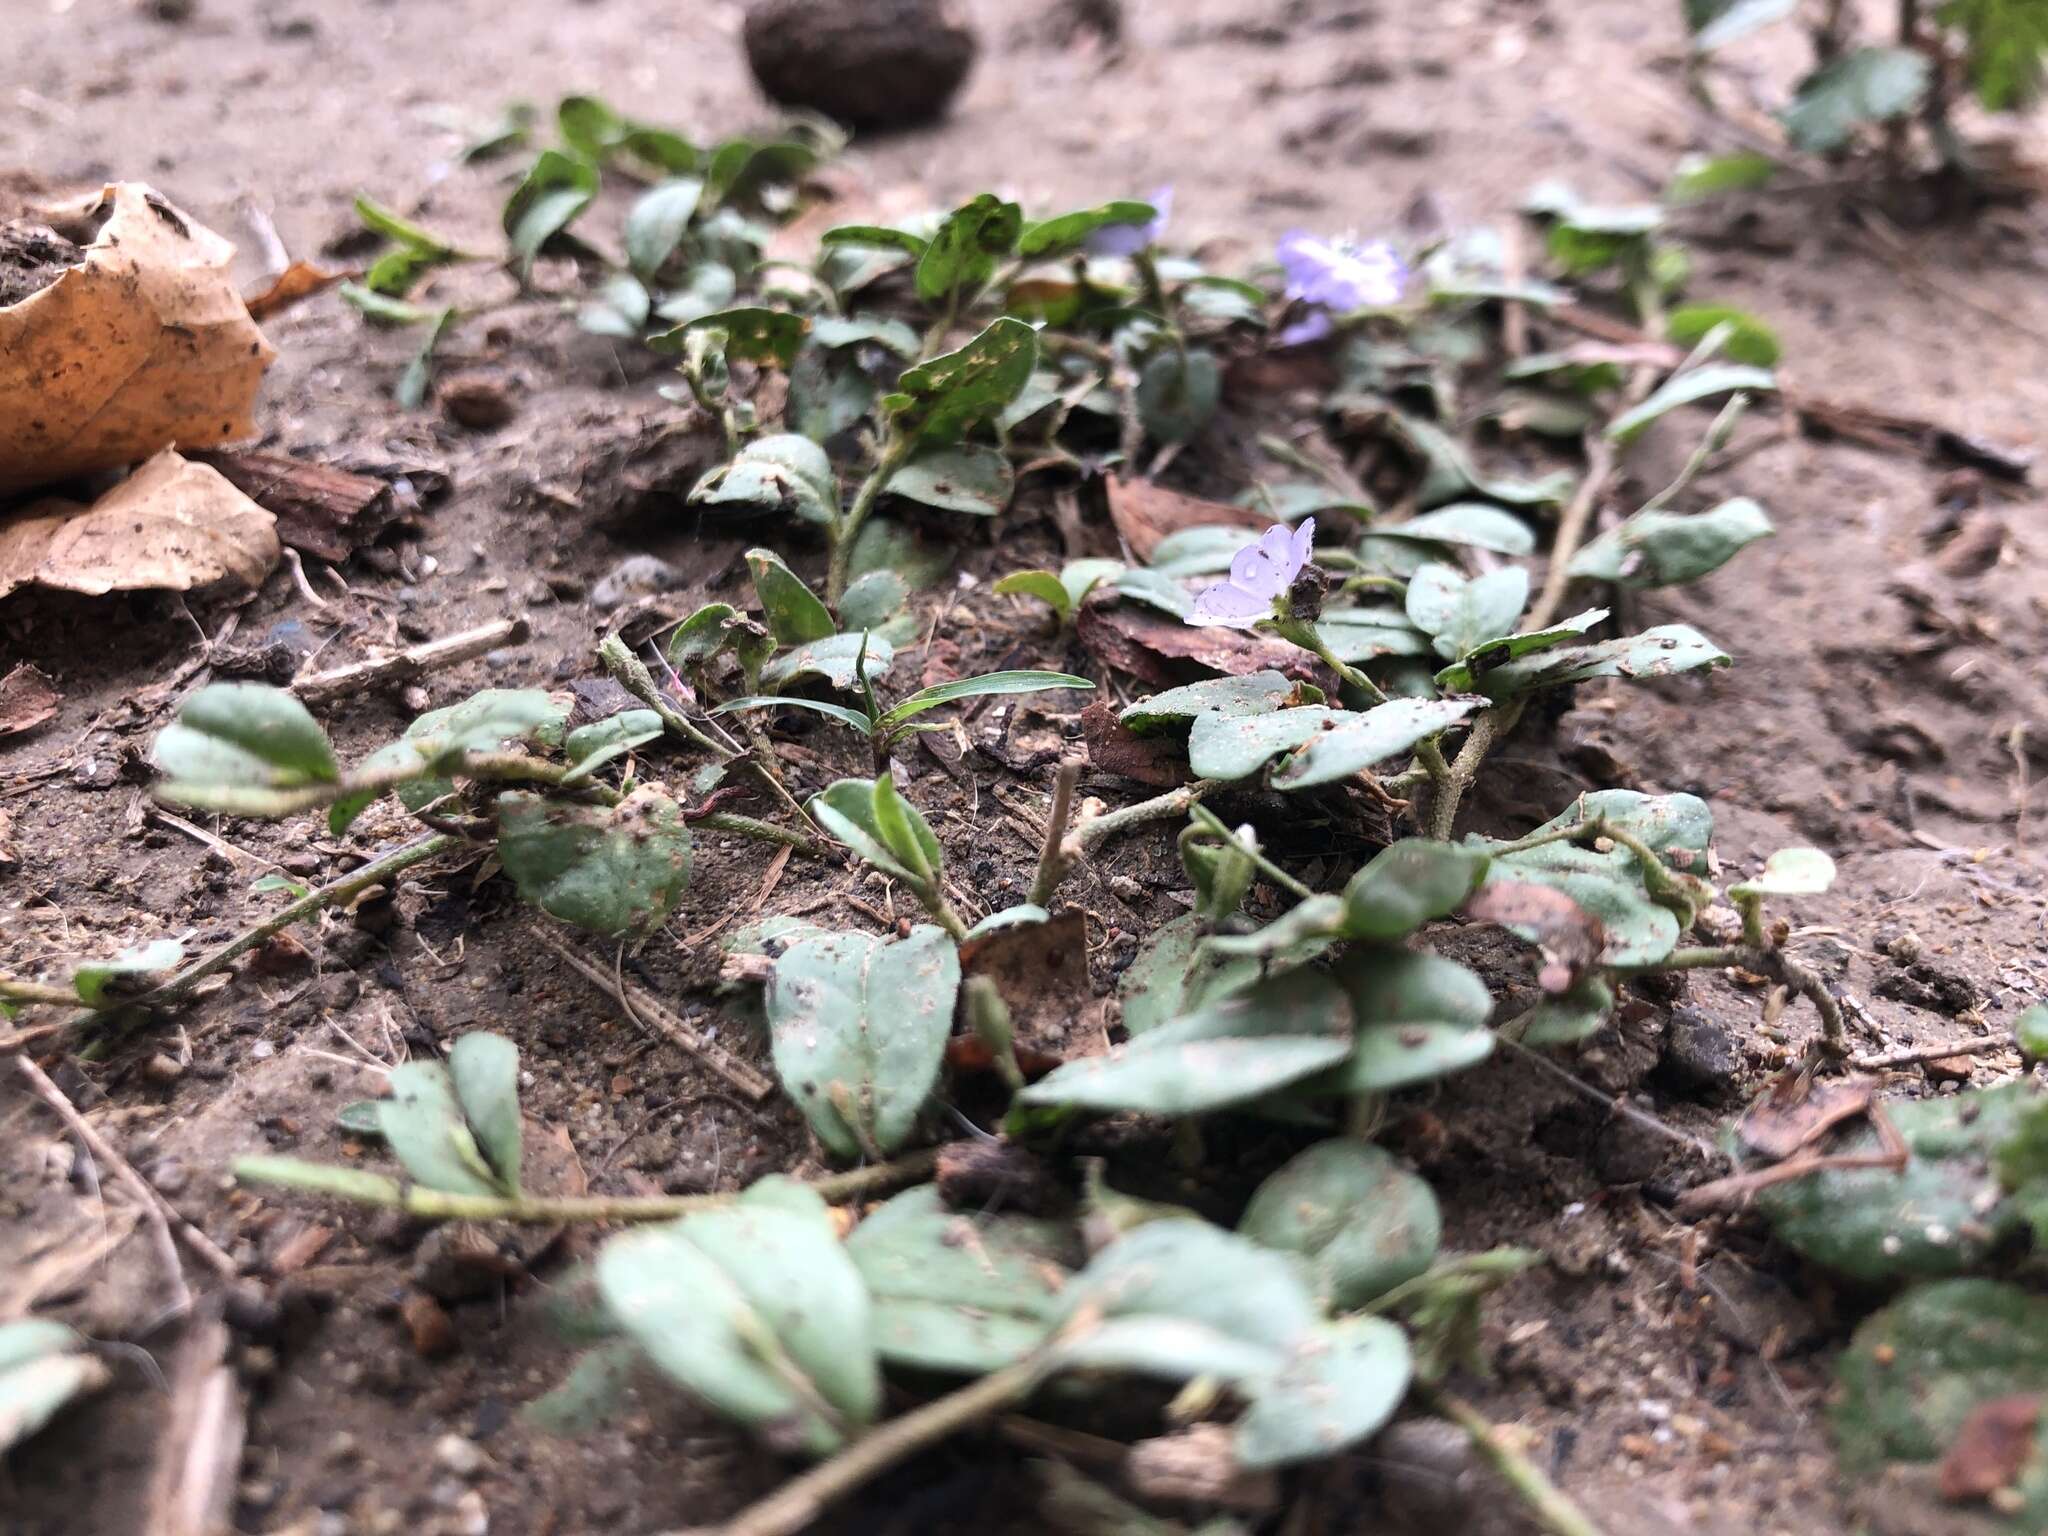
[(1887, 705)]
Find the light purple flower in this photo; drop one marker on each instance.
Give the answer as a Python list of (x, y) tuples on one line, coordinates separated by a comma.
[(1127, 240), (1260, 575), (1341, 275)]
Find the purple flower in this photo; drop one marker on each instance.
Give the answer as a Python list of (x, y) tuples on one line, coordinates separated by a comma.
[(1260, 575), (1127, 240), (1341, 275)]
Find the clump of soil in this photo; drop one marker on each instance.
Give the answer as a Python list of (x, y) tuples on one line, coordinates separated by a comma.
[(865, 63), (33, 256)]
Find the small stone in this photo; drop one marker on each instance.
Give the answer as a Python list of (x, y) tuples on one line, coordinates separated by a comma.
[(460, 1455), (1700, 1054), (1951, 1069), (472, 1515), (433, 1332), (163, 1069), (634, 576), (480, 399)]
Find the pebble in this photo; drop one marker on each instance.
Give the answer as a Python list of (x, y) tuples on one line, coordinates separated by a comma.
[(1700, 1053), (634, 576), (433, 1332), (460, 1455)]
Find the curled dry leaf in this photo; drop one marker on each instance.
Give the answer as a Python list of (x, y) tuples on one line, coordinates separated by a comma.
[(1796, 1112), (1145, 514), (1991, 1449), (1151, 645), (144, 344), (300, 280), (1041, 970), (28, 698), (1570, 937), (172, 524)]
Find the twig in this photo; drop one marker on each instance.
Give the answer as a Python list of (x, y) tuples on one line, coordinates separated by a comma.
[(1093, 831), (1547, 1502), (352, 884), (760, 831), (155, 1207), (548, 1210), (651, 1013), (200, 835), (1571, 530), (1922, 1053), (804, 1498), (192, 1490), (408, 665), (298, 566), (631, 674), (1052, 864)]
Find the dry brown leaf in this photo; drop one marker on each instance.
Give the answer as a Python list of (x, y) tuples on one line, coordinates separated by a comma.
[(1570, 937), (172, 524), (1041, 971), (1145, 514), (300, 280), (1147, 644), (28, 699), (1796, 1112), (145, 345), (1991, 1449)]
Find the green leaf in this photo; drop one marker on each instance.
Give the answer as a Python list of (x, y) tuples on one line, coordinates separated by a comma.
[(590, 747), (2004, 43), (1361, 1223), (1570, 1017), (591, 1393), (939, 399), (1663, 549), (1748, 339), (1338, 1386), (1370, 738), (1460, 676), (264, 884), (1472, 524), (829, 393), (323, 1178), (2030, 1030), (962, 255), (1790, 872), (961, 478), (386, 310), (1413, 882), (1684, 389), (1224, 746), (877, 236), (1175, 972), (783, 472), (1177, 394), (753, 334), (1356, 635), (758, 1310), (858, 1030), (1067, 232), (1699, 177), (555, 191), (1663, 651), (43, 1366), (833, 660), (1258, 693), (242, 735), (1462, 615), (1419, 1017), (418, 374), (708, 288), (905, 833), (873, 600), (1205, 551), (657, 222), (959, 1291), (987, 684), (437, 741), (880, 826), (1044, 586), (1868, 85), (619, 308), (1237, 1048), (839, 712), (834, 331), (424, 1126), (100, 983), (415, 239), (484, 1069), (1716, 23), (1943, 1215), (794, 613), (615, 870)]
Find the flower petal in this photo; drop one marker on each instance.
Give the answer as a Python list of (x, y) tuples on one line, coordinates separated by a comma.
[(1313, 326), (1302, 549), (1228, 604)]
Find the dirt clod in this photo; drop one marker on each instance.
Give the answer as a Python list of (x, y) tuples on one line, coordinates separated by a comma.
[(480, 399), (866, 63), (32, 256)]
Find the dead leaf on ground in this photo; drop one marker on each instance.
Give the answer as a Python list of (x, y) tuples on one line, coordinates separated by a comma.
[(1145, 514), (300, 280), (1041, 971), (172, 525), (28, 698), (1991, 1449), (1570, 937), (146, 344), (1797, 1112), (1114, 747), (1148, 645)]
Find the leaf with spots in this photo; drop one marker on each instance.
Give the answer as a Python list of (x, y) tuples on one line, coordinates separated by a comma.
[(616, 870), (941, 398), (1360, 1222)]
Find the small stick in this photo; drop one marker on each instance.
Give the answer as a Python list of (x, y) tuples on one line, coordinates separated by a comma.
[(155, 1206), (407, 665), (192, 1491), (650, 1012), (1052, 863), (1547, 1502), (1922, 1053), (804, 1498)]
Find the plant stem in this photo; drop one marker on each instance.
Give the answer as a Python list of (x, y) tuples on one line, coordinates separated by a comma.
[(761, 831), (15, 991), (1094, 831), (1213, 823), (631, 674), (350, 885), (1556, 1513), (1427, 752), (804, 1498), (894, 452), (1450, 784), (545, 1210), (1715, 440), (1052, 867)]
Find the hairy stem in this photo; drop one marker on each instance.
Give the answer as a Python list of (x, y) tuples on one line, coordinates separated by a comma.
[(800, 1501), (1553, 1511), (631, 674), (761, 832), (14, 990), (1094, 831), (1450, 785), (894, 452), (1213, 823), (1052, 868)]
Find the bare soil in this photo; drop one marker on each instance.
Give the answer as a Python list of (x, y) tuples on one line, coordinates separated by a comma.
[(1887, 706)]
